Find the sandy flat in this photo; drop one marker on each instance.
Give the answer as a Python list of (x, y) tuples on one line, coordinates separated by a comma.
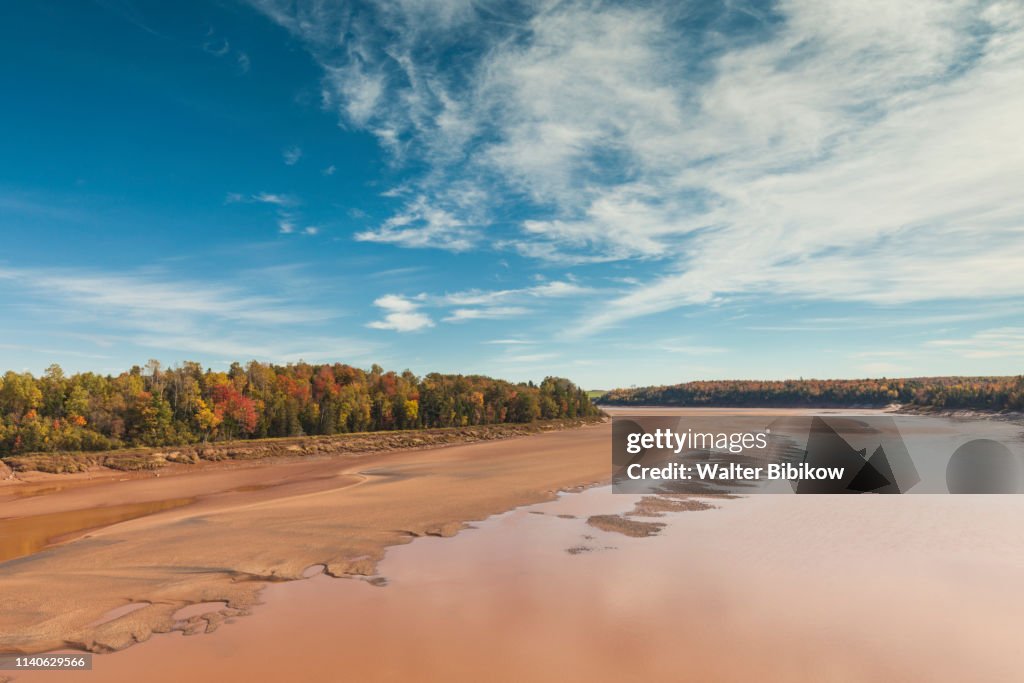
[(765, 588), (774, 588), (253, 524)]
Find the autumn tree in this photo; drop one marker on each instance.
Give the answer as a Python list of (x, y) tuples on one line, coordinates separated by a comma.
[(155, 405)]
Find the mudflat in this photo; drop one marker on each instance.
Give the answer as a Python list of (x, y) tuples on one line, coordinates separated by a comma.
[(763, 588), (595, 586), (139, 548)]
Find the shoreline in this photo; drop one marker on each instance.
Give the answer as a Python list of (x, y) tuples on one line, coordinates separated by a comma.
[(239, 495), (157, 458), (341, 512), (1011, 416), (255, 522), (586, 603), (1015, 417)]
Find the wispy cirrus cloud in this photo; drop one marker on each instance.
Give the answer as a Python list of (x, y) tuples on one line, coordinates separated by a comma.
[(291, 155), (273, 198), (285, 224), (999, 342), (424, 222), (288, 224), (150, 296), (517, 358), (402, 314), (218, 46), (170, 315), (549, 290), (232, 347), (689, 349), (485, 313), (836, 151), (478, 304), (289, 219), (243, 62)]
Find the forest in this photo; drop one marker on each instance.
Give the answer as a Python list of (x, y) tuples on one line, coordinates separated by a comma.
[(973, 393), (157, 406)]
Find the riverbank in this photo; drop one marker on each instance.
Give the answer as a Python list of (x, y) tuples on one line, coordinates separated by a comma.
[(221, 532), (1010, 416), (142, 459), (788, 589), (599, 584)]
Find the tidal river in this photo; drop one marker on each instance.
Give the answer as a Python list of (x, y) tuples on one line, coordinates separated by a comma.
[(767, 588)]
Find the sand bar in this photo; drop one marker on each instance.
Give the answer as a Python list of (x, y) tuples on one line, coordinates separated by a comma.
[(252, 524)]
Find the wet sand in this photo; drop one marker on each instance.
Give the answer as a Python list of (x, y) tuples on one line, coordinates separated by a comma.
[(767, 588), (21, 536), (251, 525), (783, 588)]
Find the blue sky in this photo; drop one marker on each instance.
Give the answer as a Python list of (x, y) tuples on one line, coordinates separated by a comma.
[(635, 193)]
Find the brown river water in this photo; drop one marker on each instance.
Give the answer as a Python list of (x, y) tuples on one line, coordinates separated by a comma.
[(766, 588), (763, 588), (22, 536)]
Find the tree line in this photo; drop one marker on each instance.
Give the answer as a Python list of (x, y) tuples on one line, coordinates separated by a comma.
[(157, 406), (978, 393)]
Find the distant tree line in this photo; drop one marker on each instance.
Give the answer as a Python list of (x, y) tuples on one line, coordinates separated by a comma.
[(156, 406), (979, 393)]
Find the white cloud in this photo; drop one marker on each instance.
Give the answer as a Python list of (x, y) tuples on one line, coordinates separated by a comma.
[(236, 347), (882, 369), (485, 313), (53, 353), (218, 47), (855, 150), (291, 155), (548, 290), (287, 218), (1002, 342), (529, 357), (558, 289), (221, 47), (329, 170), (402, 314), (172, 316), (274, 198), (690, 349), (477, 304), (424, 223), (150, 296)]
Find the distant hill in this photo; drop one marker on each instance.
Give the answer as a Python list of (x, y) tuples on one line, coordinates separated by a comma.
[(977, 393)]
